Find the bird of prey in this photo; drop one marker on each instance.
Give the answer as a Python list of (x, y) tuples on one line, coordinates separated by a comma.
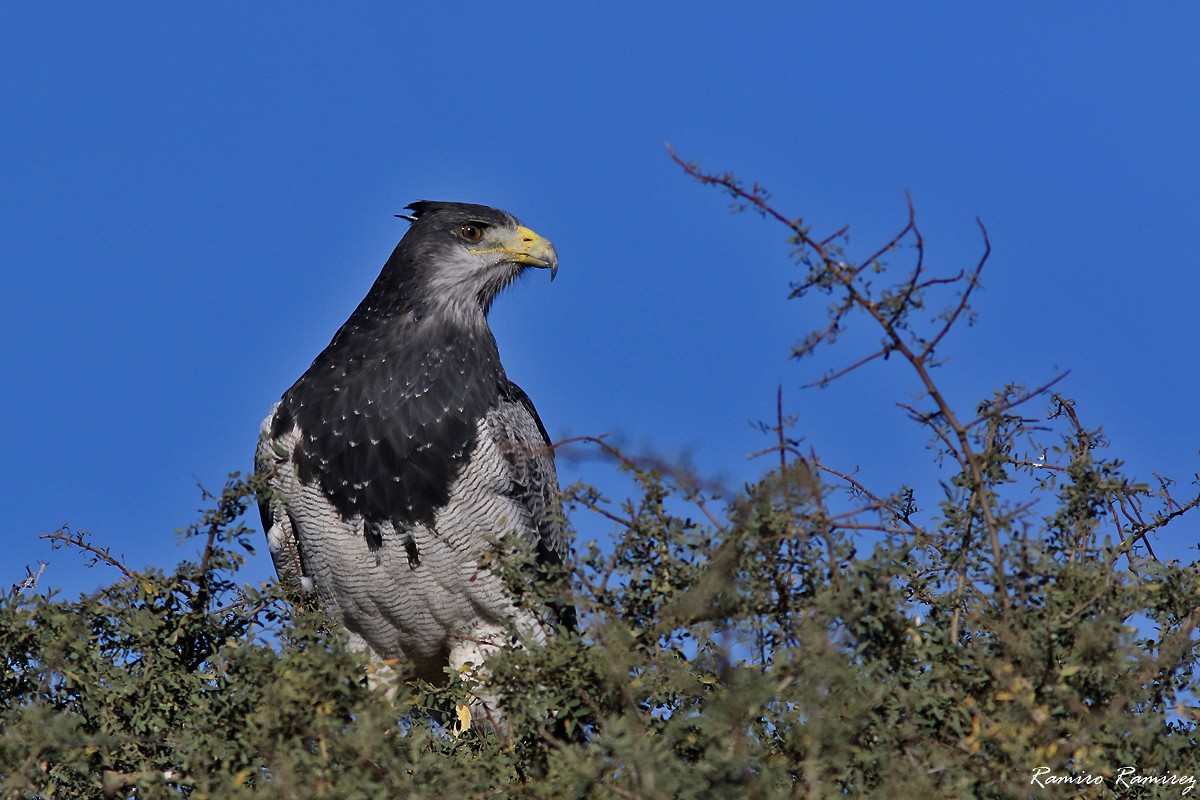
[(404, 457)]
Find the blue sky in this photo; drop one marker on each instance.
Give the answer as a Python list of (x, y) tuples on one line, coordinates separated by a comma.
[(196, 197)]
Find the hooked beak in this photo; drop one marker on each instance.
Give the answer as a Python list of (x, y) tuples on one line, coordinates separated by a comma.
[(526, 247)]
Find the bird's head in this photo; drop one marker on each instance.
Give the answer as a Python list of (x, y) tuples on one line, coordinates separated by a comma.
[(459, 252)]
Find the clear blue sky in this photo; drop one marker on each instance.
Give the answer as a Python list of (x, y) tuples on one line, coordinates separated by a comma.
[(195, 197)]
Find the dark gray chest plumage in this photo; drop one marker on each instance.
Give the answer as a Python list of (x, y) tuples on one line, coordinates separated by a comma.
[(389, 416)]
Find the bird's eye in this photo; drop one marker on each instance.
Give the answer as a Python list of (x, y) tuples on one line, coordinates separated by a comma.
[(472, 232)]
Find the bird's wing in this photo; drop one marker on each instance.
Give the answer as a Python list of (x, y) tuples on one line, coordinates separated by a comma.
[(274, 456), (527, 448)]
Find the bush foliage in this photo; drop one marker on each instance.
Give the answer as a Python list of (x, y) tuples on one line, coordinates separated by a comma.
[(802, 636)]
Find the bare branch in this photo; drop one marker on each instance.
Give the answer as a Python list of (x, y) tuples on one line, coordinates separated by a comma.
[(965, 300), (65, 537)]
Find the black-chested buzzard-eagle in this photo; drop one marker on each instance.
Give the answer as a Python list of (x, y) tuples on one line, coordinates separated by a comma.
[(404, 455)]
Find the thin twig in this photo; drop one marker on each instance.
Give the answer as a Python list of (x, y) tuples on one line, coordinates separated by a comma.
[(76, 540)]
